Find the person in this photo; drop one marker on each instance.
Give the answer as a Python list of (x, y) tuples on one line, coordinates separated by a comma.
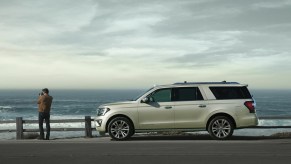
[(44, 108)]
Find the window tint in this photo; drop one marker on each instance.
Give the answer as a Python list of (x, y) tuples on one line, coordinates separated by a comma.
[(222, 93), (163, 95), (188, 94)]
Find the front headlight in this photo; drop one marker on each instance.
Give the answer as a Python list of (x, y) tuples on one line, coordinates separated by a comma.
[(102, 111)]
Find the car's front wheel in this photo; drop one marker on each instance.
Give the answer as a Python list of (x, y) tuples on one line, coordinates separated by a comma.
[(221, 128), (120, 128)]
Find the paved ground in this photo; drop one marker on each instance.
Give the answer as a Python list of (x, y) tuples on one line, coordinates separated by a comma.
[(147, 150)]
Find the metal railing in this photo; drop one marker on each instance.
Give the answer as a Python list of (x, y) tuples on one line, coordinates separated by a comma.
[(88, 128), (20, 130)]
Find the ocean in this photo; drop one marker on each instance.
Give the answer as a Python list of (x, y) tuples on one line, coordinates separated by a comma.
[(76, 104)]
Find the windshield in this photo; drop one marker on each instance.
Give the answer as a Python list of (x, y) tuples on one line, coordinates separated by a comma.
[(141, 94)]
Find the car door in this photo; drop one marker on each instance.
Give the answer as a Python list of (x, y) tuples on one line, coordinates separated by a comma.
[(157, 113), (190, 108)]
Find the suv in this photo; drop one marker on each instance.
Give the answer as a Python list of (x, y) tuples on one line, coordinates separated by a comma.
[(218, 107)]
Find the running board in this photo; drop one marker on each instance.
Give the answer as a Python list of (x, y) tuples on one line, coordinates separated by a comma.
[(167, 130)]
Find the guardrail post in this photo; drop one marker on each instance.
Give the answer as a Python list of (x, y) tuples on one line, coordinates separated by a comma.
[(19, 128), (88, 128)]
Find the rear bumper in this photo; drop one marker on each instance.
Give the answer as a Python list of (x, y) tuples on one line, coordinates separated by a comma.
[(248, 121)]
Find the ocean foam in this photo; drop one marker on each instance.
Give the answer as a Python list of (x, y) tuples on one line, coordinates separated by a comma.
[(6, 107)]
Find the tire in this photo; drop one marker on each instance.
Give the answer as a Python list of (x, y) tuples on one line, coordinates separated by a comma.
[(120, 128), (220, 128)]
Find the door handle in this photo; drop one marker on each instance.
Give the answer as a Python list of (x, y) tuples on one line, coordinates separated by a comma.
[(202, 105), (168, 107)]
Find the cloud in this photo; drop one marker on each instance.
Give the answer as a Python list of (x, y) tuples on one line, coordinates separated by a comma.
[(109, 43), (33, 23), (272, 4)]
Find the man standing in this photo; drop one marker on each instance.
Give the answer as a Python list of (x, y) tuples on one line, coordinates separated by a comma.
[(44, 107)]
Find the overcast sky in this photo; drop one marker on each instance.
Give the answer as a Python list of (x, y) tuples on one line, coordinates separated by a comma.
[(139, 43)]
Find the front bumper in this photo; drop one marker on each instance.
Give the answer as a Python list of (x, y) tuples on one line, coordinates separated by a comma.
[(100, 124)]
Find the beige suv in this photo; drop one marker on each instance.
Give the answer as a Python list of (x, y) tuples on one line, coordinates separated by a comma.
[(218, 107)]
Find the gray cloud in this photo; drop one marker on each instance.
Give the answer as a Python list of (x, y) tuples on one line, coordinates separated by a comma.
[(146, 37), (226, 15)]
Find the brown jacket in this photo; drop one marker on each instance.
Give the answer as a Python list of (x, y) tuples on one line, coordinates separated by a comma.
[(44, 103)]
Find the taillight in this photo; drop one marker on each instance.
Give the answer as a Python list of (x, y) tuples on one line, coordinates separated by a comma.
[(250, 105)]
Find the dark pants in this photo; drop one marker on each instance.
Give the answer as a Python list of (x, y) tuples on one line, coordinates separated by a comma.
[(44, 116)]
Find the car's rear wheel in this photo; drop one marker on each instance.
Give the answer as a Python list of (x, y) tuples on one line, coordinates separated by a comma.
[(120, 128), (221, 128)]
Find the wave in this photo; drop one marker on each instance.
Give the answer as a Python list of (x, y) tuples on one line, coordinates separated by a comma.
[(275, 122), (5, 112), (6, 107)]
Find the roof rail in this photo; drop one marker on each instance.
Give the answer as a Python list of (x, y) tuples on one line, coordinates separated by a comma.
[(223, 82)]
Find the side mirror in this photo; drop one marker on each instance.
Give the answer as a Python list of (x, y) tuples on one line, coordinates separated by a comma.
[(145, 100)]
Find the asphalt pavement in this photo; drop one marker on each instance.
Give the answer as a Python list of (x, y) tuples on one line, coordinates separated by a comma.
[(147, 150)]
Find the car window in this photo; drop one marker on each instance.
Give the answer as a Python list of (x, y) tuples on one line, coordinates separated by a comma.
[(162, 95), (223, 93), (188, 94)]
